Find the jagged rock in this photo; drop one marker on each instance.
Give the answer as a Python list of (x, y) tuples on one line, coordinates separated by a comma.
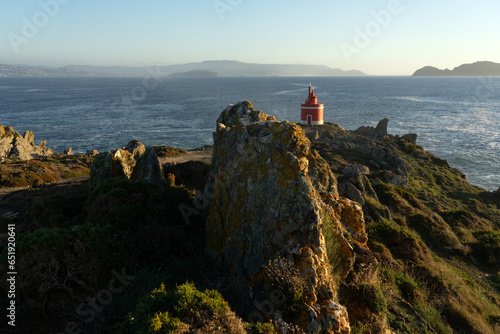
[(91, 153), (118, 163), (378, 155), (356, 170), (381, 129), (395, 179), (410, 137), (121, 163), (42, 143), (273, 199), (395, 164), (101, 169), (21, 149), (29, 136), (136, 148), (347, 189), (147, 168), (13, 145), (69, 151), (358, 177), (124, 163), (369, 131)]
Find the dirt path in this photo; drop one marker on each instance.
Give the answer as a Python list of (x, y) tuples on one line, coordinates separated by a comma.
[(198, 154)]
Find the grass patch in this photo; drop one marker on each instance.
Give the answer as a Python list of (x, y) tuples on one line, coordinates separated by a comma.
[(168, 151)]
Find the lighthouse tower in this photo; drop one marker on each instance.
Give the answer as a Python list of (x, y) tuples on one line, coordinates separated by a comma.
[(312, 112)]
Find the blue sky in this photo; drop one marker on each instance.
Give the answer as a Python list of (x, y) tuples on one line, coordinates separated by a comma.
[(389, 37)]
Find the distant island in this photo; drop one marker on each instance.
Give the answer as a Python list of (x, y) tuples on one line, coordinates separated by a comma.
[(196, 73), (229, 68), (480, 68)]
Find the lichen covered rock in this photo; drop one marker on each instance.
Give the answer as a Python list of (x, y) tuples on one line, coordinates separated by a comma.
[(141, 164), (148, 168), (273, 200)]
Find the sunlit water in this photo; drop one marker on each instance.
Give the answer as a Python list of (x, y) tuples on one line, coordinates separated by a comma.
[(458, 119)]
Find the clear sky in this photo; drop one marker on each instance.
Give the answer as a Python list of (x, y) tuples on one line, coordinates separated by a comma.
[(379, 37)]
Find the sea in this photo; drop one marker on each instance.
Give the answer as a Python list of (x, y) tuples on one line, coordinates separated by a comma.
[(456, 118)]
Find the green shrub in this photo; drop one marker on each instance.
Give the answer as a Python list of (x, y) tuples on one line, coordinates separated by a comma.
[(168, 151), (487, 249), (386, 233), (192, 174), (363, 296), (262, 328), (163, 311), (126, 203), (59, 267)]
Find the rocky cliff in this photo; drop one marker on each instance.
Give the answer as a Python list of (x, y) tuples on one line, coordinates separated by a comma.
[(314, 228), (273, 200), (13, 145)]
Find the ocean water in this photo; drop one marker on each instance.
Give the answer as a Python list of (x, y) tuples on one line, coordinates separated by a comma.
[(456, 118)]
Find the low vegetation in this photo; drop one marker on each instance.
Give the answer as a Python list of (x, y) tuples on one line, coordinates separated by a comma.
[(168, 151), (431, 265), (16, 173), (435, 239)]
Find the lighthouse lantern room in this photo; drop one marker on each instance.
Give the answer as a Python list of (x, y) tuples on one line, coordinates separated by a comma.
[(312, 111)]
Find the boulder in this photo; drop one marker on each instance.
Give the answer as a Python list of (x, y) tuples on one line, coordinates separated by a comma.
[(381, 129), (369, 131), (123, 164), (136, 148), (69, 151), (410, 137), (357, 178), (101, 169), (148, 168), (91, 153), (348, 190), (274, 217)]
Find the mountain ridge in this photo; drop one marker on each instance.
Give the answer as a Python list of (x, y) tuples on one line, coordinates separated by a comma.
[(479, 68), (224, 67)]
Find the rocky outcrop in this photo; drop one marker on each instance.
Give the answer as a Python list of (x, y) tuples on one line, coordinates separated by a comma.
[(410, 137), (379, 131), (91, 153), (357, 185), (273, 201), (13, 145), (140, 163)]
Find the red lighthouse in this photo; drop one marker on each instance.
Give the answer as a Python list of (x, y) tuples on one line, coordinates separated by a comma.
[(312, 112)]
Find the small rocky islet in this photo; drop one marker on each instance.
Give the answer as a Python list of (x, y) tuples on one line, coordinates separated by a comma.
[(290, 229)]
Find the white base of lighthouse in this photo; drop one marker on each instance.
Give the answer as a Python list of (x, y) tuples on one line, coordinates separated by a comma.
[(311, 122)]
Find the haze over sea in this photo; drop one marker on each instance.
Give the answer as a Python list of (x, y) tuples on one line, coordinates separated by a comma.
[(456, 118)]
